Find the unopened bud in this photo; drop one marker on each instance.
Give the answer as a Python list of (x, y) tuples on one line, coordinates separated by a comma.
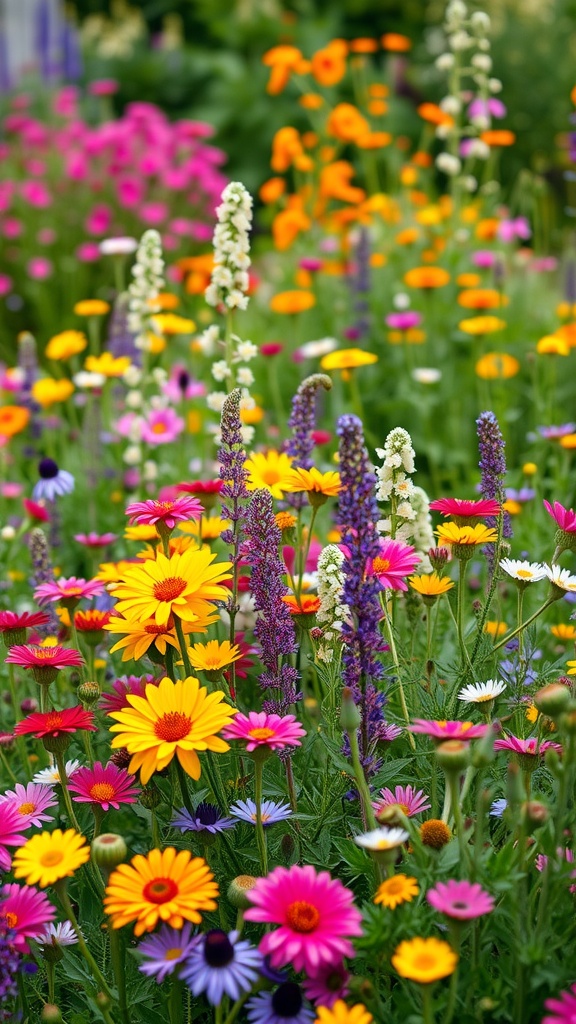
[(551, 700), (150, 797), (50, 1014), (238, 891), (438, 558), (568, 721), (89, 692), (535, 813), (57, 744), (287, 846), (350, 717), (453, 755), (109, 850), (514, 787)]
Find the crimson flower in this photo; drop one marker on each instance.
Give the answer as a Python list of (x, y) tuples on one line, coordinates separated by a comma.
[(169, 513), (564, 517), (36, 511), (468, 509), (201, 487), (55, 723), (13, 625), (124, 687)]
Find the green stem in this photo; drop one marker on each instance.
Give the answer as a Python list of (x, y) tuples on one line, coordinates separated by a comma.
[(519, 603), (176, 1003), (61, 764), (260, 836), (169, 662), (394, 653), (183, 786), (509, 636), (99, 978), (183, 648), (119, 968), (452, 780), (51, 977), (361, 783), (427, 1007)]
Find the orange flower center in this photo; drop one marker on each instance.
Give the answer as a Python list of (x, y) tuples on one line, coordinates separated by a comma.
[(11, 919), (271, 477), (159, 428), (46, 653), (51, 858), (380, 565), (261, 734), (173, 954), (173, 726), (169, 589), (156, 630), (26, 808), (302, 917), (102, 791), (394, 886), (424, 962), (53, 722), (161, 890)]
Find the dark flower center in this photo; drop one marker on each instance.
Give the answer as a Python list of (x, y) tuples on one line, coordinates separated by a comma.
[(218, 950), (207, 814), (183, 380), (47, 469), (287, 1000)]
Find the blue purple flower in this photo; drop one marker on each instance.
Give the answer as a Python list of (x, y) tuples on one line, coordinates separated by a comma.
[(221, 964), (284, 1006), (207, 818), (271, 812), (165, 950), (53, 481)]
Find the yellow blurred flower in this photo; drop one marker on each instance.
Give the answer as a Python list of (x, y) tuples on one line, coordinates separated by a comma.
[(107, 365), (47, 391), (65, 345), (92, 307)]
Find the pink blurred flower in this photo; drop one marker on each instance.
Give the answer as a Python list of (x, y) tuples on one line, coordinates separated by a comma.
[(162, 426), (130, 192), (46, 236), (98, 220), (460, 900), (444, 730), (5, 284), (103, 87), (10, 489), (36, 194), (88, 252), (564, 517), (66, 101), (39, 268), (466, 509), (563, 1008), (12, 228), (154, 213), (95, 540)]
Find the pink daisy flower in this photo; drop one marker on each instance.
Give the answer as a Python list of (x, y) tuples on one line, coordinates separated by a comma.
[(454, 507), (443, 730), (10, 621), (461, 900), (541, 862), (124, 687), (95, 540), (162, 427), (31, 801), (262, 730), (563, 1008), (67, 591), (26, 912), (107, 786), (409, 800), (327, 985), (316, 915), (10, 833), (151, 512), (35, 656), (393, 561), (531, 746), (564, 517)]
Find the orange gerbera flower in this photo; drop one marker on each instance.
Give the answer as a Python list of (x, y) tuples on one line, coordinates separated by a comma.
[(482, 325), (497, 366), (272, 190), (434, 114), (426, 277), (346, 123), (482, 298), (286, 147), (282, 60), (497, 137), (395, 42), (306, 604), (335, 183), (294, 301), (13, 419), (328, 65)]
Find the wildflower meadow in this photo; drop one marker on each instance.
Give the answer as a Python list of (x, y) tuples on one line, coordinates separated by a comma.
[(288, 546)]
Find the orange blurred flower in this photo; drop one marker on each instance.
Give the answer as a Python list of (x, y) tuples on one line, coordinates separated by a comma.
[(346, 123), (286, 146), (396, 43), (497, 366), (482, 325), (468, 280), (426, 277), (311, 101), (288, 224), (328, 65), (498, 137), (434, 114), (13, 419), (294, 301), (374, 140), (282, 60), (335, 183), (271, 190), (482, 298)]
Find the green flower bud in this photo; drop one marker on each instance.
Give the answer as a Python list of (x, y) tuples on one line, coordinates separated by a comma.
[(89, 692), (350, 717), (453, 755), (109, 850), (238, 891), (551, 700)]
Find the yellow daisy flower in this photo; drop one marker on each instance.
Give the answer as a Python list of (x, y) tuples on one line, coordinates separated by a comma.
[(564, 631), (47, 391), (348, 359), (139, 637), (450, 533), (107, 365), (92, 307), (50, 856), (172, 719), (112, 572), (431, 584), (269, 471), (424, 960), (184, 585), (165, 885), (341, 1013), (66, 344), (396, 890), (315, 482), (213, 655)]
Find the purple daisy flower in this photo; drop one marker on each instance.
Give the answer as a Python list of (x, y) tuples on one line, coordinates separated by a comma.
[(271, 812), (53, 481), (207, 818), (221, 964), (284, 1006), (165, 950), (498, 807), (31, 801)]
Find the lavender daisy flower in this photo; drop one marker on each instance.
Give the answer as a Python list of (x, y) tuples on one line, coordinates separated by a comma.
[(284, 1006), (165, 950), (221, 964), (498, 807), (207, 818), (271, 812), (53, 481)]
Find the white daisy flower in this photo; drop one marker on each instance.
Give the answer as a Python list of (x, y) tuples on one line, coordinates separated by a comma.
[(526, 572), (560, 577), (60, 934), (382, 839), (477, 693), (51, 776)]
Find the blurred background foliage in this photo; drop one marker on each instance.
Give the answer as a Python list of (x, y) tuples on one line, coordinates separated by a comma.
[(203, 59)]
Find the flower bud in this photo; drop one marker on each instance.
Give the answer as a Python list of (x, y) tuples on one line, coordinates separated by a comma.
[(568, 721), (287, 847), (150, 797), (534, 813), (50, 1014), (89, 692), (29, 705), (514, 787), (57, 744), (238, 891), (109, 850), (453, 755), (350, 717), (551, 700)]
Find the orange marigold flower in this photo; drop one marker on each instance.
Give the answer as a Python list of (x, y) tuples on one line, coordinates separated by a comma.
[(13, 419), (426, 277), (407, 237), (306, 604), (377, 108), (363, 45), (91, 307), (497, 137), (487, 228), (482, 298), (434, 114), (287, 225), (346, 123), (271, 190), (311, 101), (282, 60), (335, 183), (395, 42), (497, 366), (422, 159), (553, 344), (286, 146), (294, 301), (468, 280), (328, 65), (374, 140)]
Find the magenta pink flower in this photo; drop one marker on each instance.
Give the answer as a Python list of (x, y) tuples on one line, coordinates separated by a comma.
[(262, 730), (327, 985), (404, 320), (69, 590), (11, 826), (21, 620), (124, 687), (409, 800), (39, 268), (564, 517), (35, 656), (461, 507), (531, 746), (315, 913), (95, 540), (26, 911), (443, 730), (394, 561), (563, 853), (151, 511), (30, 801), (563, 1008), (106, 786), (56, 723), (461, 900), (162, 427)]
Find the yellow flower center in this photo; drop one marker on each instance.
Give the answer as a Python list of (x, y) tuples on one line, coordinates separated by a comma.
[(169, 589), (261, 734), (51, 858), (102, 791), (380, 565), (173, 726), (524, 574), (11, 919), (424, 962), (26, 808), (394, 886), (53, 722), (484, 697), (173, 954), (302, 917), (160, 890)]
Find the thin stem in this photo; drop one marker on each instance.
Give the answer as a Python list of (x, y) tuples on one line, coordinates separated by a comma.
[(119, 968), (260, 836), (169, 662), (452, 780), (61, 764), (99, 978), (427, 1007), (361, 783), (519, 603), (509, 636), (182, 644), (183, 786), (176, 1002), (394, 653), (51, 977)]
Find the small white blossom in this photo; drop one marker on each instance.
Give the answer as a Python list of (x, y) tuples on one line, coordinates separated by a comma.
[(215, 400), (245, 351), (132, 455), (451, 165), (245, 377), (229, 281), (148, 281), (221, 371)]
